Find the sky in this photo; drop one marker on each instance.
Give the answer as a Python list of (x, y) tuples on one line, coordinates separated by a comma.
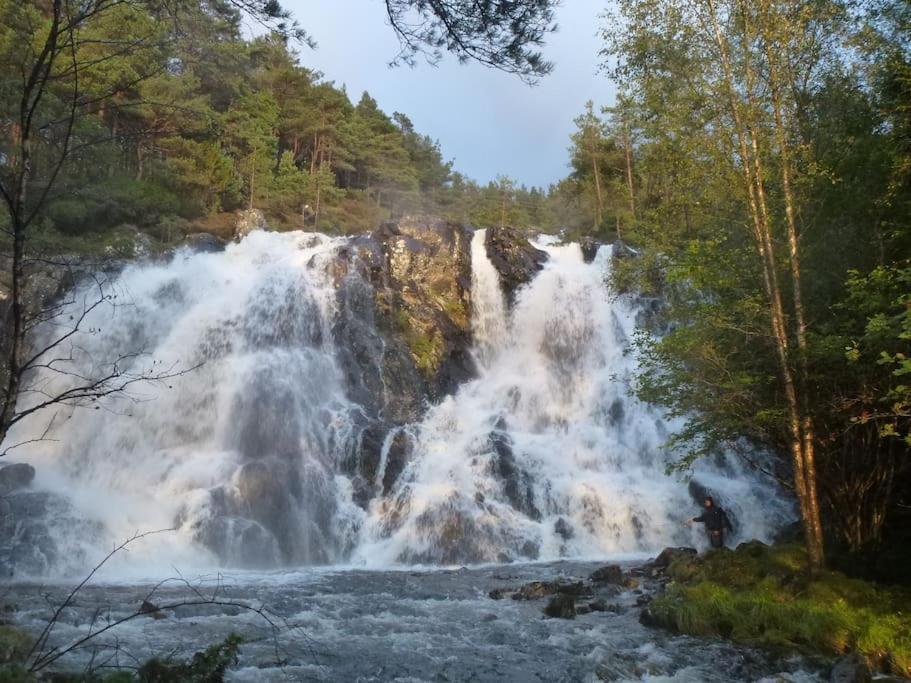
[(488, 122)]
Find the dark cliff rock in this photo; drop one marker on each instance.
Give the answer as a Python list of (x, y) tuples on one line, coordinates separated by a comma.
[(403, 333), (425, 297), (514, 258)]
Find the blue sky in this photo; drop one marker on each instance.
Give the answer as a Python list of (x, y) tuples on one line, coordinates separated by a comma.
[(487, 121)]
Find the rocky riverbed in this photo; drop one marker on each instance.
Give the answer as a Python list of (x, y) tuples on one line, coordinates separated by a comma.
[(497, 623)]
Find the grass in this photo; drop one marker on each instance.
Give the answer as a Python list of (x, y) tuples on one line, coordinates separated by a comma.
[(764, 596)]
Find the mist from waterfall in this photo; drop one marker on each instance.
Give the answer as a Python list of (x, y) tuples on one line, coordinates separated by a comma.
[(543, 455)]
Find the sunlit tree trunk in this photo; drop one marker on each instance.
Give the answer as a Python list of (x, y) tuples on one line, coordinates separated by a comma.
[(784, 149), (752, 173)]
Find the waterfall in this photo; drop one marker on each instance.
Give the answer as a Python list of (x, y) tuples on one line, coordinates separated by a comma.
[(242, 454), (544, 454), (489, 315)]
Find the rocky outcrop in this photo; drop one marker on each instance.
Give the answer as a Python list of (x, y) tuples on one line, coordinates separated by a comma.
[(247, 221), (425, 297), (612, 573), (514, 258), (403, 332), (561, 606)]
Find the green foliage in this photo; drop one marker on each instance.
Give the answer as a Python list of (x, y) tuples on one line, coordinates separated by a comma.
[(712, 358), (112, 202), (193, 120), (764, 596), (208, 666)]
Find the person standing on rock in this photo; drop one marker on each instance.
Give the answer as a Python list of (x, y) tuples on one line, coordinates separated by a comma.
[(716, 522)]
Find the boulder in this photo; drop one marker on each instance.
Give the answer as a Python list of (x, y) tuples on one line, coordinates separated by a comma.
[(514, 258), (598, 606), (851, 668), (14, 476), (668, 555), (612, 574), (247, 221), (535, 590), (561, 606)]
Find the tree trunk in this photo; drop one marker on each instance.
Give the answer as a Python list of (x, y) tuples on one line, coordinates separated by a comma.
[(599, 206), (252, 179), (752, 171), (797, 293), (13, 358), (628, 147)]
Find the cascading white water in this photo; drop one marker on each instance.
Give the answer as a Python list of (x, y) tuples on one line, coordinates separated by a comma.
[(543, 455), (241, 454)]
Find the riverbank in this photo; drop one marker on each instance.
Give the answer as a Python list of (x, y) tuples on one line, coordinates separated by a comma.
[(406, 624), (763, 596)]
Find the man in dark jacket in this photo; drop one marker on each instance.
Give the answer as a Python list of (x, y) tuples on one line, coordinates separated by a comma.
[(716, 522)]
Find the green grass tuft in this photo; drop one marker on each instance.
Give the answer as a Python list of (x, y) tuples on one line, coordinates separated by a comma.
[(765, 596)]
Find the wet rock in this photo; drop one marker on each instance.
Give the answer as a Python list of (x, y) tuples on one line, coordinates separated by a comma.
[(612, 573), (598, 606), (514, 258), (14, 476), (151, 609), (247, 221), (204, 242), (852, 668), (517, 483), (413, 278), (564, 529), (583, 609), (561, 606), (499, 593), (589, 247), (647, 617), (536, 590), (668, 555)]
